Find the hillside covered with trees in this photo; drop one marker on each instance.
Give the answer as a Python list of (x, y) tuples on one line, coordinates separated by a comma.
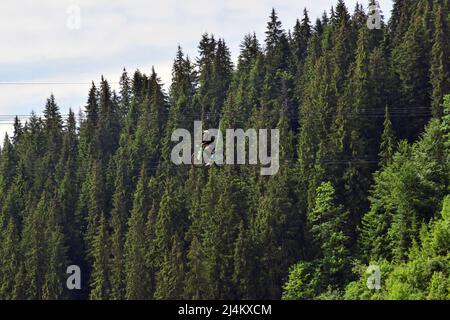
[(364, 172)]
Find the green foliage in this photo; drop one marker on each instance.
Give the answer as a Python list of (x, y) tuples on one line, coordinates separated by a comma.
[(137, 280), (406, 193), (388, 143), (100, 282), (363, 178), (425, 273), (301, 284)]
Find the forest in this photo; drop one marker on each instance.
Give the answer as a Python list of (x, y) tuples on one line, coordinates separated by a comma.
[(364, 121)]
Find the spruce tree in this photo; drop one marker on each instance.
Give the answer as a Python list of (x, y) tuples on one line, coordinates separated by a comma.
[(125, 94), (108, 123), (8, 161), (196, 282), (100, 284), (244, 266), (121, 207), (328, 231), (411, 66), (300, 38), (440, 64), (277, 229), (10, 258), (170, 278), (137, 282), (52, 127), (388, 143)]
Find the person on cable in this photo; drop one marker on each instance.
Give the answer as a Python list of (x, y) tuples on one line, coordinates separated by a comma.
[(209, 146)]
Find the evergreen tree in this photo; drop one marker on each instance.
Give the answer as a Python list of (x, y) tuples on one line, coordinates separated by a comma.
[(89, 126), (278, 222), (125, 94), (108, 123), (8, 160), (9, 256), (121, 206), (100, 284), (244, 267), (388, 143), (196, 281), (90, 205), (53, 126), (170, 278), (274, 32), (137, 284), (328, 231), (300, 38), (106, 197), (411, 65), (18, 130), (440, 65), (44, 252)]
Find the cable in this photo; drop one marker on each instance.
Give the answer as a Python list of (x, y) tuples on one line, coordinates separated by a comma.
[(49, 83)]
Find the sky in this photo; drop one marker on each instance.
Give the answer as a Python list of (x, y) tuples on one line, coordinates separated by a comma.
[(60, 46)]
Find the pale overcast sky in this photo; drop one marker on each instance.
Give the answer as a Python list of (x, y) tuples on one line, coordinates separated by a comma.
[(38, 46)]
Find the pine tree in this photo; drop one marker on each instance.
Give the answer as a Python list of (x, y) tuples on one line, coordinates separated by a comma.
[(445, 126), (171, 218), (181, 93), (277, 48), (121, 206), (137, 283), (138, 84), (92, 108), (53, 126), (8, 160), (244, 268), (33, 250), (400, 20), (215, 66), (108, 123), (342, 47), (411, 66), (44, 251), (327, 228), (220, 220), (249, 50), (18, 130), (205, 62), (100, 285), (274, 32), (52, 288), (315, 121), (170, 278), (440, 65), (146, 148), (67, 196), (90, 205), (125, 94), (354, 134), (277, 226), (300, 38), (388, 143), (196, 281), (9, 256)]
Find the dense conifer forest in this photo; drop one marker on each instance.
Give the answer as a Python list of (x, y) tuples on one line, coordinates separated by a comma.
[(364, 173)]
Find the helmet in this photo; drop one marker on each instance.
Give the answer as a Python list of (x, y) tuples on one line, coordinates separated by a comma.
[(207, 136)]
